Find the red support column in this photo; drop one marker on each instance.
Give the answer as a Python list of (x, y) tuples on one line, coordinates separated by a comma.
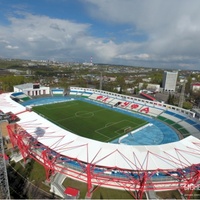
[(22, 147), (12, 135), (142, 185), (18, 138), (48, 162), (191, 184), (89, 182)]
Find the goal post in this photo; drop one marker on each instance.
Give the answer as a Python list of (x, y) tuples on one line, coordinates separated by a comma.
[(127, 129)]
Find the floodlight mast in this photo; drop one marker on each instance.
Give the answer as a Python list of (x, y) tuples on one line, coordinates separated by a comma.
[(182, 98), (100, 86)]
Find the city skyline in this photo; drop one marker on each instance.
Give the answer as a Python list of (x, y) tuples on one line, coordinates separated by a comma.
[(130, 32)]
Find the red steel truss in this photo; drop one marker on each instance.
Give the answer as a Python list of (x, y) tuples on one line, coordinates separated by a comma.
[(136, 181)]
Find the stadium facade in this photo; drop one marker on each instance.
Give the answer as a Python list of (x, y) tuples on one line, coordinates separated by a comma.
[(137, 169), (32, 89)]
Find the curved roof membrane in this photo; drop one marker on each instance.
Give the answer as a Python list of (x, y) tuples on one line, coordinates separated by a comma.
[(180, 154)]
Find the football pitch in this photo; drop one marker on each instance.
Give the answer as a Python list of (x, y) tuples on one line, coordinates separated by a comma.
[(88, 120)]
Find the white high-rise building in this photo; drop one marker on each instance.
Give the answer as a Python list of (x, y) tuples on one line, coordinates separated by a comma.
[(169, 81)]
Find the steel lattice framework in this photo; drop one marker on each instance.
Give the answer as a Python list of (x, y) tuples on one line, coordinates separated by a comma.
[(4, 186), (135, 169), (140, 180)]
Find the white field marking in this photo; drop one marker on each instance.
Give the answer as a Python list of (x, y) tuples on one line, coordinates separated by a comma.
[(112, 138), (83, 114), (66, 118), (87, 112), (75, 115), (103, 135), (66, 106), (118, 132), (111, 124)]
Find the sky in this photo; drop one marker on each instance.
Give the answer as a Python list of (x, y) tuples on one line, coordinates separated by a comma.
[(148, 33)]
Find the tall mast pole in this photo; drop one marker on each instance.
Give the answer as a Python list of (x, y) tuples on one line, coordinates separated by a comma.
[(4, 186)]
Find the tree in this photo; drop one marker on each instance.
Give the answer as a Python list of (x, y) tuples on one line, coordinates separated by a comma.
[(157, 77), (136, 90), (9, 81), (187, 105), (171, 99), (144, 86), (121, 83), (188, 85), (196, 97)]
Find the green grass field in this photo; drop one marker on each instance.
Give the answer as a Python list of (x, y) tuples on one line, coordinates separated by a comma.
[(89, 120)]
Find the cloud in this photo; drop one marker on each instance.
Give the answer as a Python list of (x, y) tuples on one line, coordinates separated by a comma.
[(41, 36), (11, 47), (4, 41), (152, 33), (134, 57), (172, 27)]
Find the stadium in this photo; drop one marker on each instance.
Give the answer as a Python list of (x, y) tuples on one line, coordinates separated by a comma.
[(102, 157)]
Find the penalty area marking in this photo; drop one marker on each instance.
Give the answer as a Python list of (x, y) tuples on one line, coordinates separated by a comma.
[(118, 131), (80, 114)]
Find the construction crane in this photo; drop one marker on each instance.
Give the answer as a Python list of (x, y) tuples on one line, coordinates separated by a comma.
[(4, 186)]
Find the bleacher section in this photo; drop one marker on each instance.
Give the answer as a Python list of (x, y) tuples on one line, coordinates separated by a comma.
[(153, 111), (20, 96), (124, 104), (100, 98), (193, 123), (189, 127), (57, 92), (178, 118), (72, 92), (174, 124), (181, 123), (134, 107), (171, 117), (93, 96), (82, 93), (86, 94), (114, 102), (181, 117)]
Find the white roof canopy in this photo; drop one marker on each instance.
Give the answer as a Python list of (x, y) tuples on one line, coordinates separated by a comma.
[(174, 155)]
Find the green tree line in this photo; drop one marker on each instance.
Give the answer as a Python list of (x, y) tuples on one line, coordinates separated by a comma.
[(7, 82)]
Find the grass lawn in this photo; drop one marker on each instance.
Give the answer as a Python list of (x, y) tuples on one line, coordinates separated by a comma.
[(90, 121), (195, 194), (35, 173), (173, 194), (99, 193)]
